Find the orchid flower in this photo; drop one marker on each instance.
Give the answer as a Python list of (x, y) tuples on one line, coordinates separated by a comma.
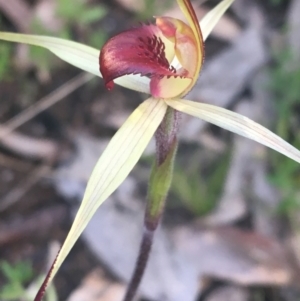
[(163, 60), (149, 50)]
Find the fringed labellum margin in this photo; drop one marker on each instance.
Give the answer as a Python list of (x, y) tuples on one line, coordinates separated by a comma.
[(149, 50)]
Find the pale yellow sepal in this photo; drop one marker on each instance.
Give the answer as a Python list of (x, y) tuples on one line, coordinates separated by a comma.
[(236, 123), (114, 165), (210, 20), (78, 55)]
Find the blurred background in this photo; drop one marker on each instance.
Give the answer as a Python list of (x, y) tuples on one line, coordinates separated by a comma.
[(231, 228)]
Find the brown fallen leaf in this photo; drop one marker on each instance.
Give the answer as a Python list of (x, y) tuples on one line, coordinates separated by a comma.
[(229, 293), (29, 147), (97, 287), (15, 194), (242, 257), (34, 226)]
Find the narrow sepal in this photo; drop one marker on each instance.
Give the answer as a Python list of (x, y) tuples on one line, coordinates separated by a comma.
[(78, 55), (210, 20), (237, 124), (114, 165)]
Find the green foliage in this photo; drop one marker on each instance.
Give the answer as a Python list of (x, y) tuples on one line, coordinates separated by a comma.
[(154, 7), (197, 191), (78, 16), (276, 2), (42, 58), (5, 58), (16, 277), (97, 39), (285, 85), (78, 12)]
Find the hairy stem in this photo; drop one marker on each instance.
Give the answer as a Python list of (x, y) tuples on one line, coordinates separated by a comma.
[(140, 265), (159, 185)]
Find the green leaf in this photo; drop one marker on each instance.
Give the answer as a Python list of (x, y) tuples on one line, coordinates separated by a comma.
[(20, 272), (11, 291), (5, 57), (90, 15)]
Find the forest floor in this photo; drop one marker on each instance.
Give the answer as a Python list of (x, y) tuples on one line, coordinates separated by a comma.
[(231, 227)]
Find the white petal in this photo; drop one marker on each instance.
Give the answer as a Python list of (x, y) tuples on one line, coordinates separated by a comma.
[(79, 55), (236, 123)]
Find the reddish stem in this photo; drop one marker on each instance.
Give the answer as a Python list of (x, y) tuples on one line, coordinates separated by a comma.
[(141, 264), (165, 137)]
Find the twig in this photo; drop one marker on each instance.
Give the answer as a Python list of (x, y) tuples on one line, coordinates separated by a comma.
[(29, 147), (45, 103), (17, 192), (18, 12)]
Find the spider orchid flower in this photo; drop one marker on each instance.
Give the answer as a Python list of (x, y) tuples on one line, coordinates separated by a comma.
[(163, 60), (149, 51)]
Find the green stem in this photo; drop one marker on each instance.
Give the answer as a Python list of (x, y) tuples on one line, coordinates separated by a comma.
[(159, 185)]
